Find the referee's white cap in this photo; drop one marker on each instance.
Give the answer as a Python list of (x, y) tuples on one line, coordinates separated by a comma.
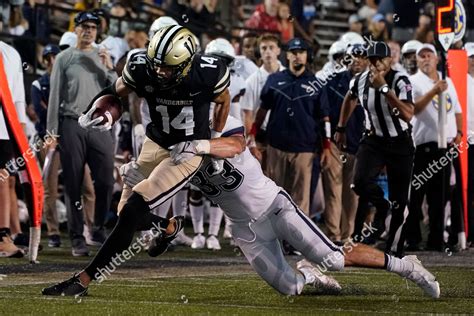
[(426, 46), (469, 47)]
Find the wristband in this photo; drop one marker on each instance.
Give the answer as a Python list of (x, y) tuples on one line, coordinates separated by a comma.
[(253, 130), (326, 143), (327, 129), (215, 134), (203, 146), (340, 129)]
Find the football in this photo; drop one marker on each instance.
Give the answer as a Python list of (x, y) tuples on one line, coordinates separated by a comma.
[(109, 107)]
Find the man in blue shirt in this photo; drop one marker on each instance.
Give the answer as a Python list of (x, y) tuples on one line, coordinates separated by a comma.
[(294, 130), (340, 200)]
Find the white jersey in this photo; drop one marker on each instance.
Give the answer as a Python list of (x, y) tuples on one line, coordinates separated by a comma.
[(241, 189), (425, 123), (244, 66), (236, 91)]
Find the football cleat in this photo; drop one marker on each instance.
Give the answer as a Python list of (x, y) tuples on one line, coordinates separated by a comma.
[(316, 278), (182, 239), (422, 277), (161, 243), (212, 243), (199, 242), (70, 287)]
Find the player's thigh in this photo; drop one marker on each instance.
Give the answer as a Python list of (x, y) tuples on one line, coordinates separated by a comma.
[(150, 156), (263, 251), (166, 179), (292, 225)]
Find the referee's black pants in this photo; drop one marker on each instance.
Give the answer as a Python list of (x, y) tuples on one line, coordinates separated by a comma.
[(430, 179), (396, 154), (77, 147)]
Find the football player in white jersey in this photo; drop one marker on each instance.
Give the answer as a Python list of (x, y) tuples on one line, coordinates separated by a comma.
[(262, 214)]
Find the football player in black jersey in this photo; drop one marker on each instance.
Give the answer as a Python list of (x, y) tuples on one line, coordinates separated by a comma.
[(179, 85)]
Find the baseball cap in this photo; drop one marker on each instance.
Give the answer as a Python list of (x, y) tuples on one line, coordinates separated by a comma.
[(84, 16), (378, 18), (297, 44), (411, 47), (469, 47), (379, 49), (51, 49), (427, 46), (69, 39)]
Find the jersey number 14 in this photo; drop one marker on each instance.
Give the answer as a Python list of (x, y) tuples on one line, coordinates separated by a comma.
[(184, 120)]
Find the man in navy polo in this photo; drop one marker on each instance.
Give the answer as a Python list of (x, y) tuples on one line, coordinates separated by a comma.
[(294, 130)]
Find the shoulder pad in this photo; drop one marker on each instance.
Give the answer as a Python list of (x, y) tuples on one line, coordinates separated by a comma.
[(136, 69)]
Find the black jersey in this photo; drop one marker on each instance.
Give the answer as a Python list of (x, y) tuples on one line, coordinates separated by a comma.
[(180, 113)]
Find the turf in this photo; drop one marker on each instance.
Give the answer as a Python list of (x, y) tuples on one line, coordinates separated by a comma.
[(185, 282)]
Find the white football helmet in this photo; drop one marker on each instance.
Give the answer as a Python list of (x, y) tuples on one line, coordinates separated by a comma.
[(411, 47), (222, 48), (337, 47), (162, 21), (351, 38)]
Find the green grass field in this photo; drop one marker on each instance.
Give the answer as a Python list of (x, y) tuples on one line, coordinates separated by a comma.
[(185, 281)]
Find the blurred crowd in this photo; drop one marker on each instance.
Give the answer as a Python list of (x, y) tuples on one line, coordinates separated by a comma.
[(261, 36)]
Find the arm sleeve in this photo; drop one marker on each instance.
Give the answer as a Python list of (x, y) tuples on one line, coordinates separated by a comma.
[(56, 83), (405, 90)]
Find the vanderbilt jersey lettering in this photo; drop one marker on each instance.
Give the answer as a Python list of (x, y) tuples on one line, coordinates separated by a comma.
[(180, 113)]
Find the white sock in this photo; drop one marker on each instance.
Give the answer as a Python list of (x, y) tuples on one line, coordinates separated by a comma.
[(398, 266), (164, 208), (180, 202), (215, 219), (197, 215)]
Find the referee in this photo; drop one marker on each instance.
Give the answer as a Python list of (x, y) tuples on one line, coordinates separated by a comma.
[(386, 97)]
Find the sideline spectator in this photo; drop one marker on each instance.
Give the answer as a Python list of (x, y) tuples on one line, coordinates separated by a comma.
[(285, 22), (269, 49), (337, 176), (40, 98), (427, 85), (14, 72), (395, 49), (79, 73), (250, 47), (294, 126), (409, 56), (378, 30), (356, 24), (265, 17)]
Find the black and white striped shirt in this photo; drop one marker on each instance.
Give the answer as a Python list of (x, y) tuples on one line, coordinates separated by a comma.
[(380, 118)]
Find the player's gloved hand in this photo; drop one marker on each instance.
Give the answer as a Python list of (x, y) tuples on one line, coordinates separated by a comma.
[(186, 151), (86, 121), (130, 174)]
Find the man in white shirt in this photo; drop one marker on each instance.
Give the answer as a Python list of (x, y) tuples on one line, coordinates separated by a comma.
[(469, 47), (432, 167), (14, 72), (269, 46)]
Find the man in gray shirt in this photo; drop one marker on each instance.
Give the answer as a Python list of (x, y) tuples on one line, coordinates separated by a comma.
[(78, 75)]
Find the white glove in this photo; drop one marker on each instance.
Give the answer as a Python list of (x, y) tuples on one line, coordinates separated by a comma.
[(186, 151), (86, 121), (130, 174)]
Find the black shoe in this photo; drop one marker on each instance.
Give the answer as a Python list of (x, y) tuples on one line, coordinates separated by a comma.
[(161, 243), (54, 241), (70, 287), (22, 240), (79, 248), (98, 238)]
